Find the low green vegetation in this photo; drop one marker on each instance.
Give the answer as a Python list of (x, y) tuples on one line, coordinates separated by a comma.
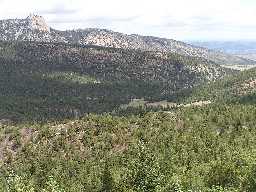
[(207, 148)]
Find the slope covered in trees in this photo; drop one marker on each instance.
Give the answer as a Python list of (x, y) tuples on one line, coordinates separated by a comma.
[(237, 88), (41, 81), (209, 148)]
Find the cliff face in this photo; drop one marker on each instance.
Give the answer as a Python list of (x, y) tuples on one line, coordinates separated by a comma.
[(34, 28)]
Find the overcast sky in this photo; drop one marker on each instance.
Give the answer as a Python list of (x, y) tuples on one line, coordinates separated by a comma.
[(175, 19)]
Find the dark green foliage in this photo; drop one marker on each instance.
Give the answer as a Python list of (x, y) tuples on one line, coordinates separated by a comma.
[(196, 148), (207, 148), (236, 88), (145, 171), (107, 180), (222, 174), (48, 82)]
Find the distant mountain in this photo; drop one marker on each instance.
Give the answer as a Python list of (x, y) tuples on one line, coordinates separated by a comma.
[(249, 56), (34, 28), (230, 47)]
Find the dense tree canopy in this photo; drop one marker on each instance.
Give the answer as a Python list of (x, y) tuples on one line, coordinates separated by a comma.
[(193, 148), (62, 128)]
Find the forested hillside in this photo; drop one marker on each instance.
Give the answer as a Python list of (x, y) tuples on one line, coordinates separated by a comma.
[(237, 88), (43, 81), (209, 148), (62, 129)]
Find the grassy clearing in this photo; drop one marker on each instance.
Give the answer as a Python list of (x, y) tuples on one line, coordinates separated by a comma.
[(72, 77), (164, 103), (239, 67)]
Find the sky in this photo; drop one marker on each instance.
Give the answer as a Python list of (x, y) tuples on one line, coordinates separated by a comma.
[(185, 20)]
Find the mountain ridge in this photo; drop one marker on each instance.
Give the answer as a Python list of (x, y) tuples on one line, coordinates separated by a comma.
[(34, 28)]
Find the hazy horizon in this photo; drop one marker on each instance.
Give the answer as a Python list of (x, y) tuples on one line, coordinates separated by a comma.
[(221, 40)]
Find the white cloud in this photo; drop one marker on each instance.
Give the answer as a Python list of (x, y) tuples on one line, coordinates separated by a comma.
[(178, 19)]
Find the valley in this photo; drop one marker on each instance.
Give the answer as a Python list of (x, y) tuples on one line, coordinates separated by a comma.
[(92, 110), (239, 67), (242, 49), (249, 56), (62, 81)]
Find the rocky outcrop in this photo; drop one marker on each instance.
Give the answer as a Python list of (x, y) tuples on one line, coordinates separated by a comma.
[(35, 22), (33, 28)]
